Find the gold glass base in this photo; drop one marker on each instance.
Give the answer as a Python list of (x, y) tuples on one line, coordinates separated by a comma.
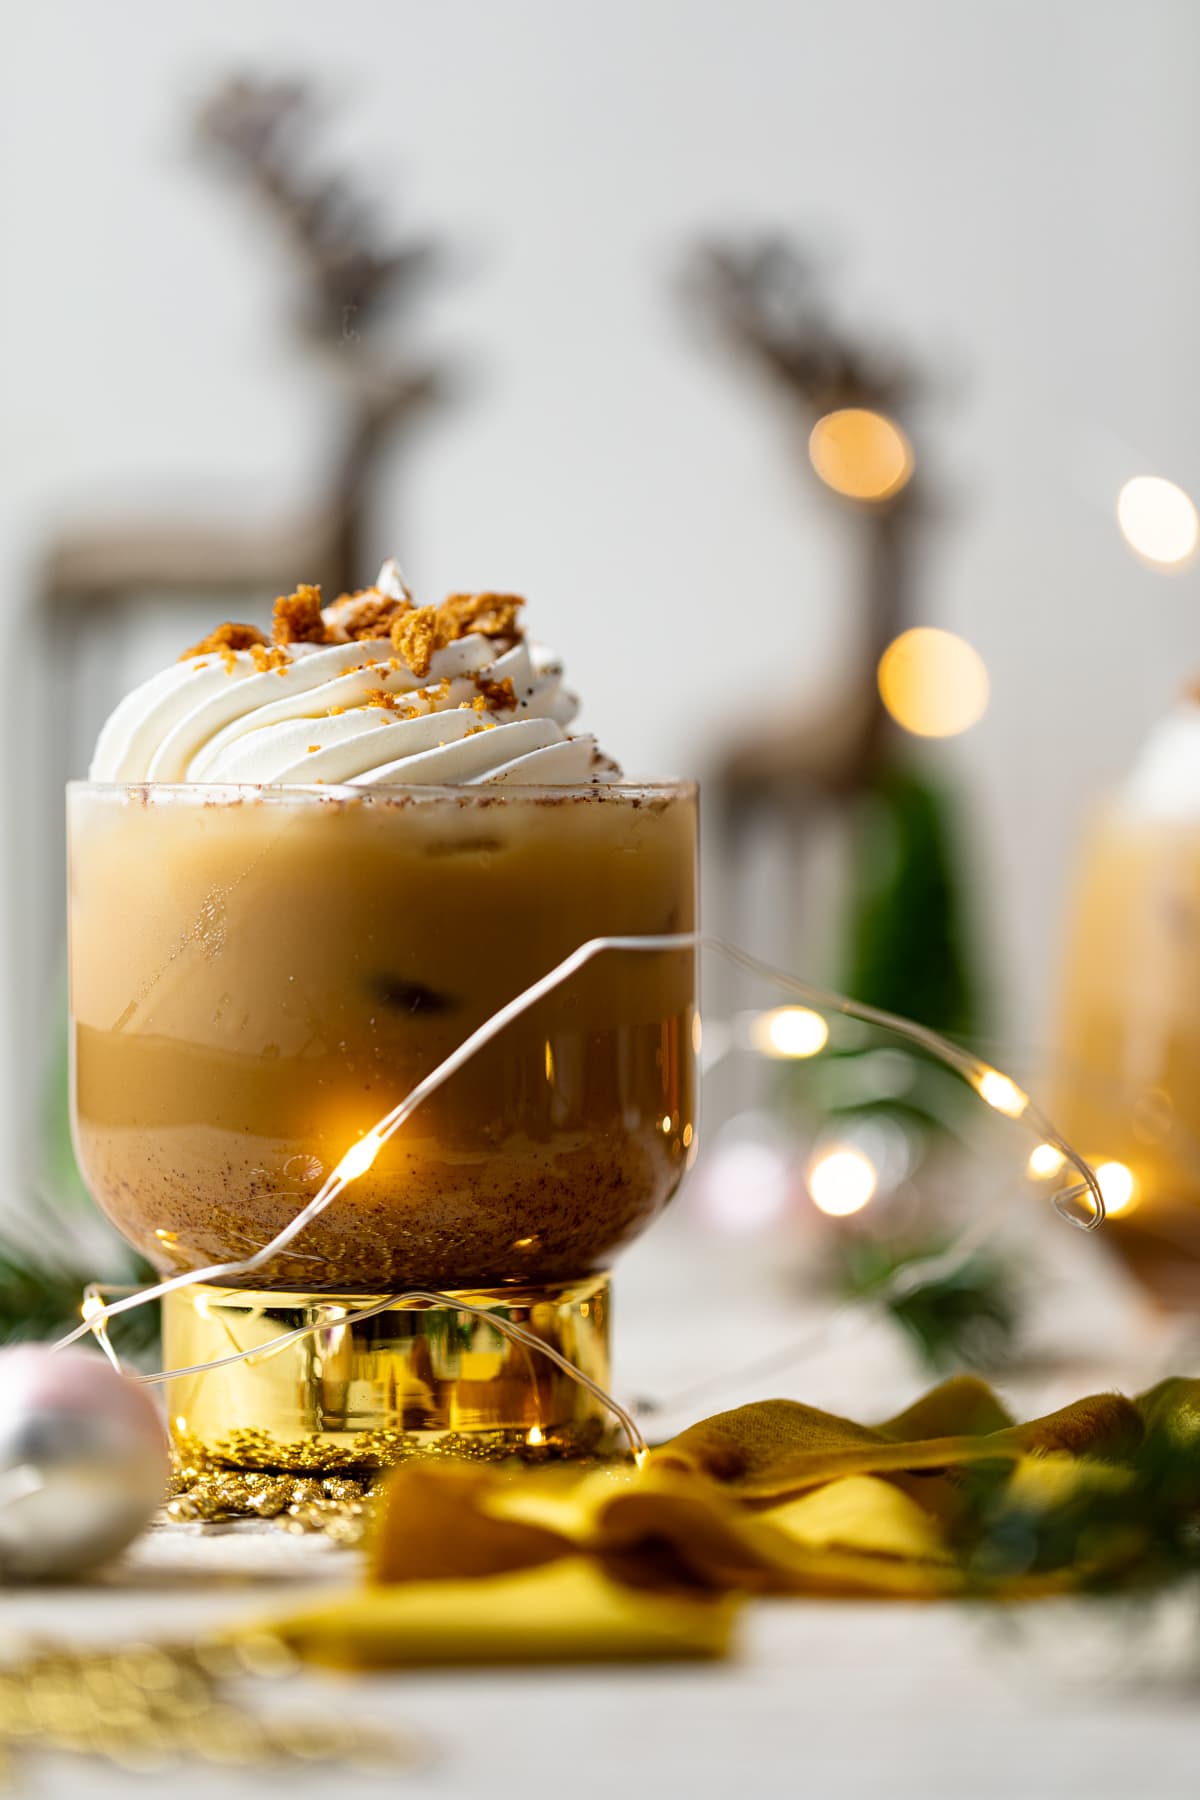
[(365, 1393)]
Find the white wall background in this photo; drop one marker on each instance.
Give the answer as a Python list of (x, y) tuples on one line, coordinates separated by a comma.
[(1010, 188)]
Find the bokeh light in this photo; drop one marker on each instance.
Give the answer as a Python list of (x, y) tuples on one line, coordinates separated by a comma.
[(1044, 1161), (789, 1031), (1003, 1095), (744, 1183), (1117, 1185), (842, 1181), (933, 683), (1158, 521), (860, 454)]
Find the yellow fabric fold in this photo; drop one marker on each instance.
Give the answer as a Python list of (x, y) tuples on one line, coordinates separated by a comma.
[(476, 1563), (775, 1448), (569, 1612)]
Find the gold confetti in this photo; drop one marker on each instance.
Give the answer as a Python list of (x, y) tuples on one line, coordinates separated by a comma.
[(144, 1707), (308, 1486)]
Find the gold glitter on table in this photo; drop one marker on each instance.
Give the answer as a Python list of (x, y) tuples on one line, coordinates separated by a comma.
[(147, 1706), (332, 1495)]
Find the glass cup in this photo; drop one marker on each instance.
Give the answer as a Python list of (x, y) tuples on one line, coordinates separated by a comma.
[(257, 976), (1127, 1042)]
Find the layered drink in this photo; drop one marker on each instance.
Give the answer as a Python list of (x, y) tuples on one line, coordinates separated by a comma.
[(302, 872), (1127, 1060)]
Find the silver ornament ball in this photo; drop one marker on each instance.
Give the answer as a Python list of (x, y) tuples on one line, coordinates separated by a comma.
[(83, 1462)]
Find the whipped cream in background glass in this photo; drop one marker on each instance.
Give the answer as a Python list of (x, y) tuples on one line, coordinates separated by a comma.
[(1164, 782), (370, 691)]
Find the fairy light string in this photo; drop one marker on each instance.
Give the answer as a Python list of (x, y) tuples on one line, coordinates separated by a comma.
[(1081, 1203)]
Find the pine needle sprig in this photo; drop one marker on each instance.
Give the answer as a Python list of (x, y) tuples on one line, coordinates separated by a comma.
[(1122, 1527), (969, 1316), (41, 1288)]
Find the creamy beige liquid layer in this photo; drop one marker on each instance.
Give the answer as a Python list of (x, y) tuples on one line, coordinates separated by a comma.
[(1127, 1086), (255, 981)]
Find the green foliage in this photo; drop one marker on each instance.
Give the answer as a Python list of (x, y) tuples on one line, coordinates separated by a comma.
[(967, 1315), (1130, 1524), (907, 942), (41, 1289), (908, 950), (44, 1266)]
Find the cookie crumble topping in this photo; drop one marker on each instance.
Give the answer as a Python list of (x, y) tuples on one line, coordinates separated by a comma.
[(225, 641)]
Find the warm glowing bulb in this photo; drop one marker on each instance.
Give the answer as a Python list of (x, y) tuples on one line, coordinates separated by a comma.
[(535, 1436), (359, 1157), (1117, 1185), (860, 453), (1045, 1160), (789, 1031), (1002, 1094), (1158, 520), (842, 1182), (933, 683)]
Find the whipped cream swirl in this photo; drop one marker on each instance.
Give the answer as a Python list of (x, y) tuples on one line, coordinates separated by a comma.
[(480, 709)]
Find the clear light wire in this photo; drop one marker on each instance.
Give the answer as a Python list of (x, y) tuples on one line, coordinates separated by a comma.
[(939, 1265), (408, 1297), (994, 1087)]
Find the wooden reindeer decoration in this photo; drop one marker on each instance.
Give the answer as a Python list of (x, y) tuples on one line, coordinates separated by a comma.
[(902, 913), (353, 279), (762, 299), (350, 280)]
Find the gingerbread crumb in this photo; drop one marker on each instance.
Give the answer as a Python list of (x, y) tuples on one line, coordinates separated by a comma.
[(297, 617), (419, 633), (491, 615), (268, 657), (381, 697), (225, 641), (497, 696), (361, 617)]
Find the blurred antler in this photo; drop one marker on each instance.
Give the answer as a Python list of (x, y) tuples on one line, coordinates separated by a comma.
[(353, 276), (762, 296), (263, 128)]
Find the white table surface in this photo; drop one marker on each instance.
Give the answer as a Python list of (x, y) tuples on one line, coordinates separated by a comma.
[(821, 1699)]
